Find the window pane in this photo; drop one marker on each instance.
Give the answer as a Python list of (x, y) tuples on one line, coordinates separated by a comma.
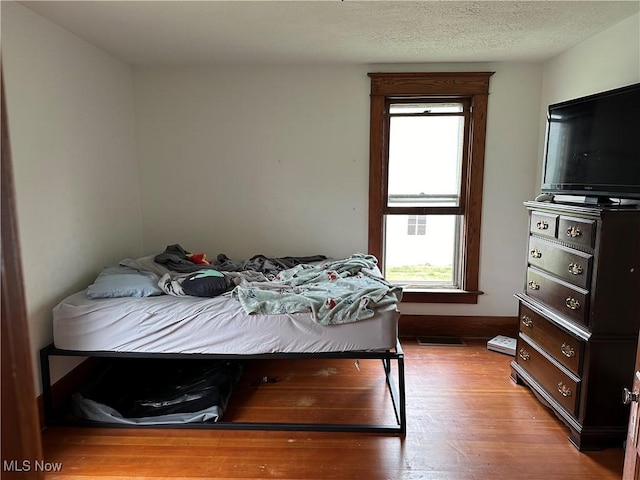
[(429, 258), (425, 158), (411, 225)]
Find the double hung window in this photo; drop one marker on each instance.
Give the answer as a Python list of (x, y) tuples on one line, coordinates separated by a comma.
[(425, 185)]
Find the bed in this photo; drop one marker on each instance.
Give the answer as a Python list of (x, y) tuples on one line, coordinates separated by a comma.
[(321, 309)]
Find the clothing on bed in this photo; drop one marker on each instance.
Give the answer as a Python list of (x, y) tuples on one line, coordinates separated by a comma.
[(340, 291), (177, 259), (260, 263)]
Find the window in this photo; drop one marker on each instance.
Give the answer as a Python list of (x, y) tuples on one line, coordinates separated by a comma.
[(425, 181), (417, 225)]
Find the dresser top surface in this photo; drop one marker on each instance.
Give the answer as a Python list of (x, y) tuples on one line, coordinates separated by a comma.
[(581, 209)]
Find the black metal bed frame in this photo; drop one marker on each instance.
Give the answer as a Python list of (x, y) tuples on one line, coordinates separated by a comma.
[(396, 389)]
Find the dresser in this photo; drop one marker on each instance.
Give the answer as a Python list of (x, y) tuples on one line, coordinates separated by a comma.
[(579, 314)]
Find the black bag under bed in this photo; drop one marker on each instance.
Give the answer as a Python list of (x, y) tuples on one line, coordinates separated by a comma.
[(157, 391)]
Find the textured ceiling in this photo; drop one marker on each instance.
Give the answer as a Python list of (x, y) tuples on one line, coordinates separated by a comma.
[(361, 32)]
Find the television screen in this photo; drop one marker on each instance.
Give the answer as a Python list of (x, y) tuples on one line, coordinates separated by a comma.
[(593, 145)]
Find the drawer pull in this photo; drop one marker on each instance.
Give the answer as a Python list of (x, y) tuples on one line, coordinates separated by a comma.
[(526, 321), (523, 354), (564, 390), (572, 303), (534, 285), (535, 253), (542, 225), (628, 396), (573, 231), (575, 269), (567, 350)]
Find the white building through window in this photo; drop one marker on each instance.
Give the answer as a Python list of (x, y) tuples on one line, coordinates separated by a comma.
[(417, 225)]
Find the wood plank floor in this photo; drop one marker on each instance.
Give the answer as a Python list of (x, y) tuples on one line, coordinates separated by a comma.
[(466, 421)]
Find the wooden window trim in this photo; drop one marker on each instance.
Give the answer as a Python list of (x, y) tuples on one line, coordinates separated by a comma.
[(385, 86)]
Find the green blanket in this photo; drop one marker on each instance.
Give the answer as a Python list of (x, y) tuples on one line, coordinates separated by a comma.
[(339, 291)]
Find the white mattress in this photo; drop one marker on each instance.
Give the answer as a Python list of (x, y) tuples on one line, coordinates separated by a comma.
[(168, 324)]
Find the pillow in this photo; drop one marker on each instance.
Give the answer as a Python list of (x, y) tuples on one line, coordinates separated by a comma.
[(206, 283), (119, 281)]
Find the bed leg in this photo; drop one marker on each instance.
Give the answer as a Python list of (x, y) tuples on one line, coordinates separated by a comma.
[(45, 374), (386, 363), (397, 392), (403, 399)]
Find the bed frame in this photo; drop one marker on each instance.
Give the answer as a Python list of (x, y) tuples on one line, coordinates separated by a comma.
[(396, 388)]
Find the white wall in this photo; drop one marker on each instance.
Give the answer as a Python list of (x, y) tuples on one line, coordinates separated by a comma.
[(247, 160), (71, 126), (274, 160)]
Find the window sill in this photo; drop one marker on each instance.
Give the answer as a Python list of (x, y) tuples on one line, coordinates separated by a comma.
[(416, 295)]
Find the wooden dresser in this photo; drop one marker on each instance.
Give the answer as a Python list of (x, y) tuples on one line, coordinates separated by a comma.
[(579, 316)]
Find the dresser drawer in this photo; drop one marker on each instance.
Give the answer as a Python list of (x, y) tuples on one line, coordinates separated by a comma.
[(579, 231), (571, 265), (562, 386), (545, 224), (568, 300), (562, 346), (576, 231)]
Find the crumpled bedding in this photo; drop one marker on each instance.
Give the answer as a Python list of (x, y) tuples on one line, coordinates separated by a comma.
[(335, 292), (177, 259), (263, 264), (184, 277)]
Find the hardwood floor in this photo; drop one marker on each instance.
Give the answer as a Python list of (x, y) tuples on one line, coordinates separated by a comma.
[(467, 421)]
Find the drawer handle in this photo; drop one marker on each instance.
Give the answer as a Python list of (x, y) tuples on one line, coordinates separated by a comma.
[(575, 269), (567, 350), (572, 303), (542, 225), (564, 390), (534, 285), (526, 321), (535, 253), (628, 396), (523, 354), (573, 231)]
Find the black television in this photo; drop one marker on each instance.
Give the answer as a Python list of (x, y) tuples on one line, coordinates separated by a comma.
[(592, 147)]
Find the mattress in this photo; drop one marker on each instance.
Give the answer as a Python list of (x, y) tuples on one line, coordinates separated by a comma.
[(218, 325)]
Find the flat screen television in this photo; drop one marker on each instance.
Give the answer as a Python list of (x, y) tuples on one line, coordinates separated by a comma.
[(592, 146)]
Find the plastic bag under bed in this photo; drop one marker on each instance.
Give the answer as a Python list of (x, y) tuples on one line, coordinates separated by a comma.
[(158, 391)]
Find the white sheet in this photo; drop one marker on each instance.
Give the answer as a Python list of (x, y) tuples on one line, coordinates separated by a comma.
[(167, 324)]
